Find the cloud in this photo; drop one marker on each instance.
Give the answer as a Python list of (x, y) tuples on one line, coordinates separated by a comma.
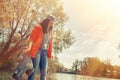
[(95, 25)]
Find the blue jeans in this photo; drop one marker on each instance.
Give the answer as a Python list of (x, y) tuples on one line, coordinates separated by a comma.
[(40, 62)]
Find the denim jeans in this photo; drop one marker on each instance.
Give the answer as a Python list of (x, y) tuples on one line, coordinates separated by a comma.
[(40, 62)]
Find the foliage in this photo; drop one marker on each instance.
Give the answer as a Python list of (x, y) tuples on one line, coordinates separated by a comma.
[(92, 66), (17, 19), (76, 65), (55, 66)]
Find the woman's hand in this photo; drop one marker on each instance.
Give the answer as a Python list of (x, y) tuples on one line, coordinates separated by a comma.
[(27, 50)]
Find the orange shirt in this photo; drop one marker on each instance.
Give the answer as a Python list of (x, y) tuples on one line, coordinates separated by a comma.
[(36, 37)]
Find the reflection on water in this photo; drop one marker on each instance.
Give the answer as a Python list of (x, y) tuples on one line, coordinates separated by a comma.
[(60, 76)]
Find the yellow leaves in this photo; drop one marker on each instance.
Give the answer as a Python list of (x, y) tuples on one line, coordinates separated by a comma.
[(21, 14), (6, 13), (16, 37), (5, 25)]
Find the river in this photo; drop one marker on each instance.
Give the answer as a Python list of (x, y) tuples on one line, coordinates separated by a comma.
[(61, 76)]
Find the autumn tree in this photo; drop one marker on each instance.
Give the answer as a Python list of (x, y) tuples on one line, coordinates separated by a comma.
[(92, 66), (17, 19)]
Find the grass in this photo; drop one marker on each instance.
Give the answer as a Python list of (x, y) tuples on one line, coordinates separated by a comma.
[(7, 75)]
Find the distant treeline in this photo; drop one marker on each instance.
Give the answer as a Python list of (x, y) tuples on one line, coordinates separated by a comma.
[(92, 66)]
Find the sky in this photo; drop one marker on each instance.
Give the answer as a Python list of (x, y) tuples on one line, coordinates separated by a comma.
[(96, 27)]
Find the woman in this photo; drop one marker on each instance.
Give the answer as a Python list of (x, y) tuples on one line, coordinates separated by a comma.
[(40, 47)]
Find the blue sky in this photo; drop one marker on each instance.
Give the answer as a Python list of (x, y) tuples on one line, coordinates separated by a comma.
[(96, 26)]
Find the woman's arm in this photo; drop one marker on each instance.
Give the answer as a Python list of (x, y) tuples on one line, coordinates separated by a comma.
[(33, 37)]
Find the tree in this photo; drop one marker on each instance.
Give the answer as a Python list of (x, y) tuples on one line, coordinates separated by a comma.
[(92, 66), (76, 65), (17, 19)]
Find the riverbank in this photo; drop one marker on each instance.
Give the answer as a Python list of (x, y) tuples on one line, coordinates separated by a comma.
[(7, 75)]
